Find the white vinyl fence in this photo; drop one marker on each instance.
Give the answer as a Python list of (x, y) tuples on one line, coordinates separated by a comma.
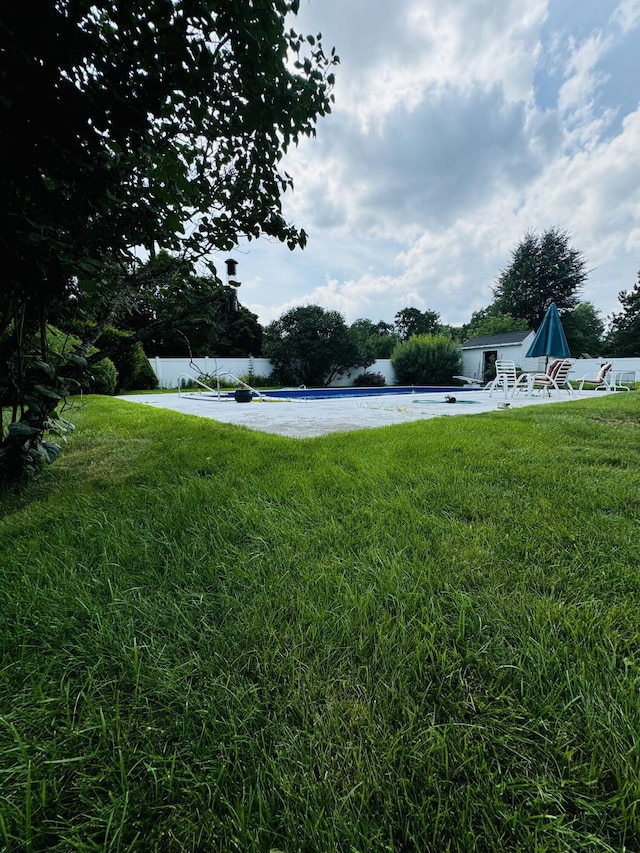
[(168, 370), (589, 367)]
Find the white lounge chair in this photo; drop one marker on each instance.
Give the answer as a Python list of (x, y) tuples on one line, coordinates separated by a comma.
[(605, 380), (555, 378), (469, 381)]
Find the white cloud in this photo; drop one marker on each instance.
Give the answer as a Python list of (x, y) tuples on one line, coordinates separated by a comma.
[(393, 54), (489, 42), (627, 15), (422, 168), (577, 95), (437, 158)]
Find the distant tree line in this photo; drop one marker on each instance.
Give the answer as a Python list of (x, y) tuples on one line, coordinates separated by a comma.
[(311, 345), (176, 312)]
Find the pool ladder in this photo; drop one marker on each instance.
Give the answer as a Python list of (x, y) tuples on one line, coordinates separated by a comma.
[(216, 390)]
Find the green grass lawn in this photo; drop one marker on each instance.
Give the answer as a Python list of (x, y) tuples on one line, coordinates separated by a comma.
[(415, 638)]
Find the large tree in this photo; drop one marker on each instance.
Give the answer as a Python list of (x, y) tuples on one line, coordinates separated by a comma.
[(624, 333), (377, 339), (311, 346), (544, 268), (179, 313), (128, 126), (413, 321), (492, 321), (583, 328)]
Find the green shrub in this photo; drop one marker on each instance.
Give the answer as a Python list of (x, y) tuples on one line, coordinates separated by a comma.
[(134, 370), (427, 360), (137, 375), (256, 380), (188, 384), (368, 379), (211, 380), (101, 378)]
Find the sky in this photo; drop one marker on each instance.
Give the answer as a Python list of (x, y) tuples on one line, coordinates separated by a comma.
[(458, 126)]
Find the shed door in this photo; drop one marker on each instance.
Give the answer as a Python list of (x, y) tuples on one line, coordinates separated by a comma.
[(489, 364)]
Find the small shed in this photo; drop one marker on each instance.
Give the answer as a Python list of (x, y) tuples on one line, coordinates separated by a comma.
[(479, 354)]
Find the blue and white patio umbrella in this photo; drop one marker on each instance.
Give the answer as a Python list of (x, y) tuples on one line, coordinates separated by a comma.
[(550, 339)]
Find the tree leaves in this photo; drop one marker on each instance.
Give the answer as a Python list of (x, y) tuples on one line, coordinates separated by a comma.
[(624, 334), (131, 126), (313, 346), (544, 269)]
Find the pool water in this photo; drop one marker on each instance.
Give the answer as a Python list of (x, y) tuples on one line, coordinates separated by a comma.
[(337, 393)]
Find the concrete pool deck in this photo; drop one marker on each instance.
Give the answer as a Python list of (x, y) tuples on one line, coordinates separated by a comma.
[(310, 418)]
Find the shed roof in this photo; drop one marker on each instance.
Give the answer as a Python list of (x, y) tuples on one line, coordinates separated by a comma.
[(496, 340)]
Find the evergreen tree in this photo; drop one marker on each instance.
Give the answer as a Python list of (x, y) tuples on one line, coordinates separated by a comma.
[(544, 269), (624, 333)]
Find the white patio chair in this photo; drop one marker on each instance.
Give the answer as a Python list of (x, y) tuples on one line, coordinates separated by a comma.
[(475, 383), (506, 378), (555, 378), (619, 380), (601, 381)]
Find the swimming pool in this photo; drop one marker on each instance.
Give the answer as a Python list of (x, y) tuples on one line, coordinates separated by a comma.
[(337, 393), (303, 418)]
